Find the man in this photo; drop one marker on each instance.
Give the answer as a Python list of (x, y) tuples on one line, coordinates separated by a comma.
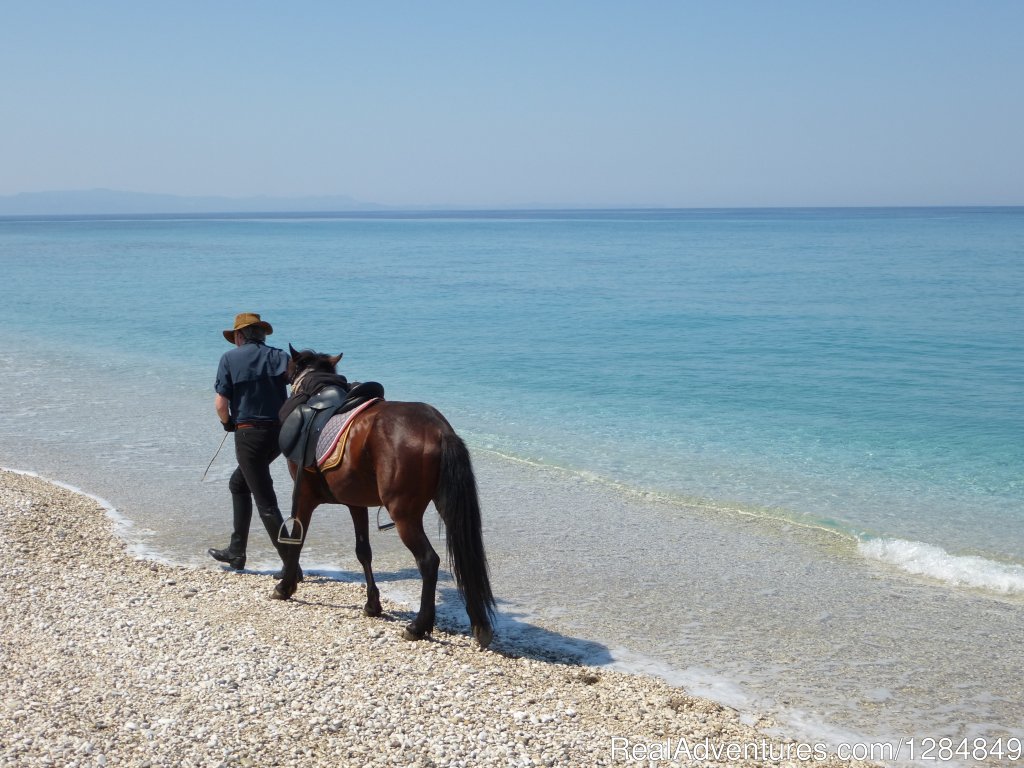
[(251, 388)]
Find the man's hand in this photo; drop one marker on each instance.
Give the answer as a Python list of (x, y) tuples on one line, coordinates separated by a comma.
[(223, 407)]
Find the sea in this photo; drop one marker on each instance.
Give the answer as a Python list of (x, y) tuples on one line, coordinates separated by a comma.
[(774, 456)]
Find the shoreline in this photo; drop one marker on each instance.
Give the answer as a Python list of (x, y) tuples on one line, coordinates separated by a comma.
[(112, 660)]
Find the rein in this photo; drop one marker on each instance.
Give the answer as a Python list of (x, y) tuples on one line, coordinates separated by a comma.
[(300, 379)]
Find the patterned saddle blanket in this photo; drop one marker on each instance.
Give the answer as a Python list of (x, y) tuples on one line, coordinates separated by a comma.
[(331, 444)]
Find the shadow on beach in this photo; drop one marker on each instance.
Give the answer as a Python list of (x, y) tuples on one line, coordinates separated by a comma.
[(514, 634)]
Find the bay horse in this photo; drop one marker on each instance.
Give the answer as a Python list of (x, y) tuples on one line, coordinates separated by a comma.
[(401, 456)]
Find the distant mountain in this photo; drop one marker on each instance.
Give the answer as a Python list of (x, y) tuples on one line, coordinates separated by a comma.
[(107, 201)]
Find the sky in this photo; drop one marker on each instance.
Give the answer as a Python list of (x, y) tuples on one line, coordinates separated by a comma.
[(487, 104)]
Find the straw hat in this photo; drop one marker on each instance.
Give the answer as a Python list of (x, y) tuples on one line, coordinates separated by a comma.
[(244, 320)]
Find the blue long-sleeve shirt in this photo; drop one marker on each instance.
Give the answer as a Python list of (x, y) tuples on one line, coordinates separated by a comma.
[(253, 379)]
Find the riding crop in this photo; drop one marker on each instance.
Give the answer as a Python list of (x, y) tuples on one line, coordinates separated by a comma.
[(216, 453)]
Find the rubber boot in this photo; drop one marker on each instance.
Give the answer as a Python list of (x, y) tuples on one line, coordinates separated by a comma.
[(241, 509), (234, 555)]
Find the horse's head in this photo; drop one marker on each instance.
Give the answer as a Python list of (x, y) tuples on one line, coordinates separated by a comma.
[(308, 360)]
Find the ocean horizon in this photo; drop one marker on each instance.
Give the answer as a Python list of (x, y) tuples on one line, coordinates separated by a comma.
[(380, 211), (744, 449)]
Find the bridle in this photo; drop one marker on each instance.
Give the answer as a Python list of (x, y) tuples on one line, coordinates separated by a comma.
[(298, 378)]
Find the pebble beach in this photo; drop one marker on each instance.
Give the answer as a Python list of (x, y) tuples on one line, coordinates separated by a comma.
[(107, 659)]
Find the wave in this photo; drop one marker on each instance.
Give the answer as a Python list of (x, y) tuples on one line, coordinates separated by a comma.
[(913, 557), (934, 562)]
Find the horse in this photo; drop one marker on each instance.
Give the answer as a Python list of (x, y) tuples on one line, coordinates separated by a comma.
[(402, 456)]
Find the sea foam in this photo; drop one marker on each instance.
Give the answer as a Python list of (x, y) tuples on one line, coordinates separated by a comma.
[(934, 562), (124, 526)]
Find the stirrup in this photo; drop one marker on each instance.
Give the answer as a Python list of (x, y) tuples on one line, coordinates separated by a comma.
[(385, 526), (284, 538)]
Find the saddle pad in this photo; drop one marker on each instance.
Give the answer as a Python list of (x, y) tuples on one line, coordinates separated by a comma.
[(333, 432)]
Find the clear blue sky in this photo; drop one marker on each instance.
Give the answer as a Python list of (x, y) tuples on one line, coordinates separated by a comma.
[(516, 103)]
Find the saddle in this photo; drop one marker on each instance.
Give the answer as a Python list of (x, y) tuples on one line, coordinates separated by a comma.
[(301, 429)]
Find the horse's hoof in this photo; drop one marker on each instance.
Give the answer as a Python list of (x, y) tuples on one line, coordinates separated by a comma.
[(372, 611), (410, 634), (278, 594), (483, 636)]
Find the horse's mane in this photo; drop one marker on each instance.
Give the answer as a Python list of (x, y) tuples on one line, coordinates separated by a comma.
[(307, 359)]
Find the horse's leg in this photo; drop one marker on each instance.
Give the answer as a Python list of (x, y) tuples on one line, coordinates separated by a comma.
[(361, 524), (303, 512), (410, 530)]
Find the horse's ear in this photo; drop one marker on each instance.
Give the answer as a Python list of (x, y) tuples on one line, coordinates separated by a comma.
[(293, 351), (336, 358)]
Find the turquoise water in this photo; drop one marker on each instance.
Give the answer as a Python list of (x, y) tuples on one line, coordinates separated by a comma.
[(864, 369), (853, 374)]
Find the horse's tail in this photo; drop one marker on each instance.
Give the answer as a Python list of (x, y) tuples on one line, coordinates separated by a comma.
[(459, 506)]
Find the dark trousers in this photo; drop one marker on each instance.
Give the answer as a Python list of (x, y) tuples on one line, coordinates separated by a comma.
[(255, 450)]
